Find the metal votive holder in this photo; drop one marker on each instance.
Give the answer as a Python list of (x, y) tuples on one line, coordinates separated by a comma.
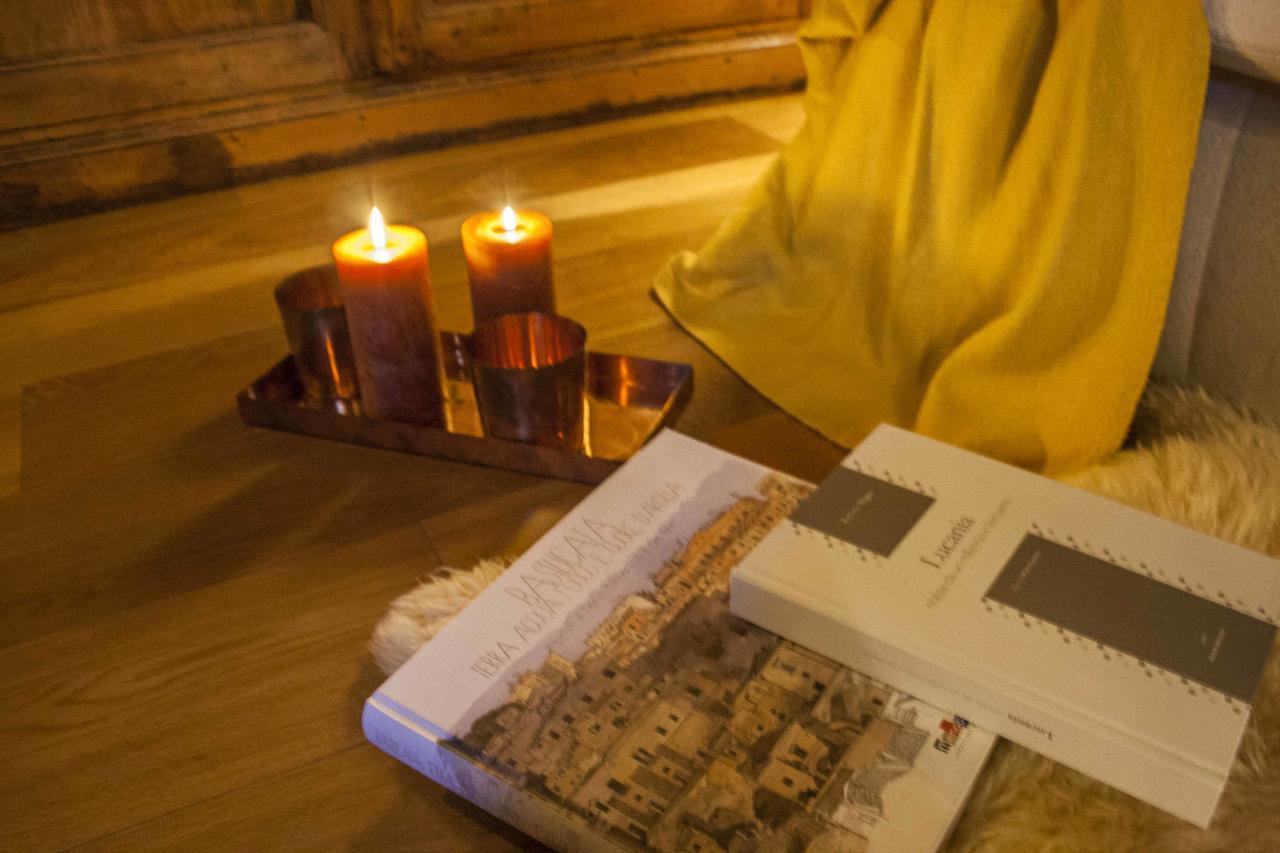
[(315, 323), (529, 372)]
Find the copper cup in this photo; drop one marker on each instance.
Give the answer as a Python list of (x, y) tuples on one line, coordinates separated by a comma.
[(315, 323), (530, 373)]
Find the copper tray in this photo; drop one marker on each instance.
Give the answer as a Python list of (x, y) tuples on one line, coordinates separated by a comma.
[(628, 400)]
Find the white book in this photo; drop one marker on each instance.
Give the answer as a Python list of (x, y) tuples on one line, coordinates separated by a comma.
[(600, 695), (1107, 639)]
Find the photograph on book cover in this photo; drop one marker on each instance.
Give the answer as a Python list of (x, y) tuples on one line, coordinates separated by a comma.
[(669, 724)]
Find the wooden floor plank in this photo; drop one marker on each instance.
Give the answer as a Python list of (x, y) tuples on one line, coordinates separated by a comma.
[(171, 703), (10, 444), (355, 800), (231, 227), (187, 519), (780, 118), (193, 303), (403, 804), (172, 717)]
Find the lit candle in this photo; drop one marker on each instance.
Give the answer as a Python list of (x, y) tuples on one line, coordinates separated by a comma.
[(508, 263), (386, 288)]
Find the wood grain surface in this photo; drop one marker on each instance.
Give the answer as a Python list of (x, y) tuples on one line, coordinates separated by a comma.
[(454, 31), (188, 600), (42, 28), (56, 169), (41, 95)]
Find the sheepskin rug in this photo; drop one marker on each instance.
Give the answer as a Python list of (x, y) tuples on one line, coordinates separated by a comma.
[(1193, 460)]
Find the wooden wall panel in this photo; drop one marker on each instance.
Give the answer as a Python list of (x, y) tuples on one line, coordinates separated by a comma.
[(349, 24), (33, 29), (175, 71), (452, 31), (78, 174), (105, 101)]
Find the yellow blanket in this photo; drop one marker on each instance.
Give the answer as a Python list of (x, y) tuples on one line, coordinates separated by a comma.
[(974, 233)]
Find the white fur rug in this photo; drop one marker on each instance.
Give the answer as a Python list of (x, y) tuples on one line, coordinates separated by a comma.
[(1196, 462)]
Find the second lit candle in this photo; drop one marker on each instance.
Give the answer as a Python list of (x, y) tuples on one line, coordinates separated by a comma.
[(508, 263)]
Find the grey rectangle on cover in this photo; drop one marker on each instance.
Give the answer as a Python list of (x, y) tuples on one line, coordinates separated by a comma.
[(1190, 636), (865, 511)]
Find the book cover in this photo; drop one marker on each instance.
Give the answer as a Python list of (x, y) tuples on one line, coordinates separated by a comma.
[(1115, 642), (600, 694)]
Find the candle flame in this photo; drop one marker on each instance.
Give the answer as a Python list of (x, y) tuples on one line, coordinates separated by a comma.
[(509, 221), (377, 229)]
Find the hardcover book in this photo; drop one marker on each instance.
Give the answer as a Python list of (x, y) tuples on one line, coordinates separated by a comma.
[(600, 695), (1110, 640)]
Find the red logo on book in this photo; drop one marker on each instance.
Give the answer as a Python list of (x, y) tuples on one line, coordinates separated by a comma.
[(951, 731)]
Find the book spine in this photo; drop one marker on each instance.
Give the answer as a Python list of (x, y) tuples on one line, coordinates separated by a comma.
[(537, 818), (1185, 791)]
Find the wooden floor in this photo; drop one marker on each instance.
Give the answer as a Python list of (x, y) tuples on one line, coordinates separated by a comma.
[(187, 600)]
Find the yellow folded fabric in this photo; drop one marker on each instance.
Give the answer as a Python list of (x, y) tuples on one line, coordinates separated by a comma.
[(974, 233)]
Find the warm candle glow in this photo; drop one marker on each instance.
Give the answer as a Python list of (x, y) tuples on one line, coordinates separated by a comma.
[(378, 234), (508, 255)]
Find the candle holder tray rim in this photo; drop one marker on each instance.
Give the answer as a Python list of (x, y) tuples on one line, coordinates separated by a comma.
[(629, 399)]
